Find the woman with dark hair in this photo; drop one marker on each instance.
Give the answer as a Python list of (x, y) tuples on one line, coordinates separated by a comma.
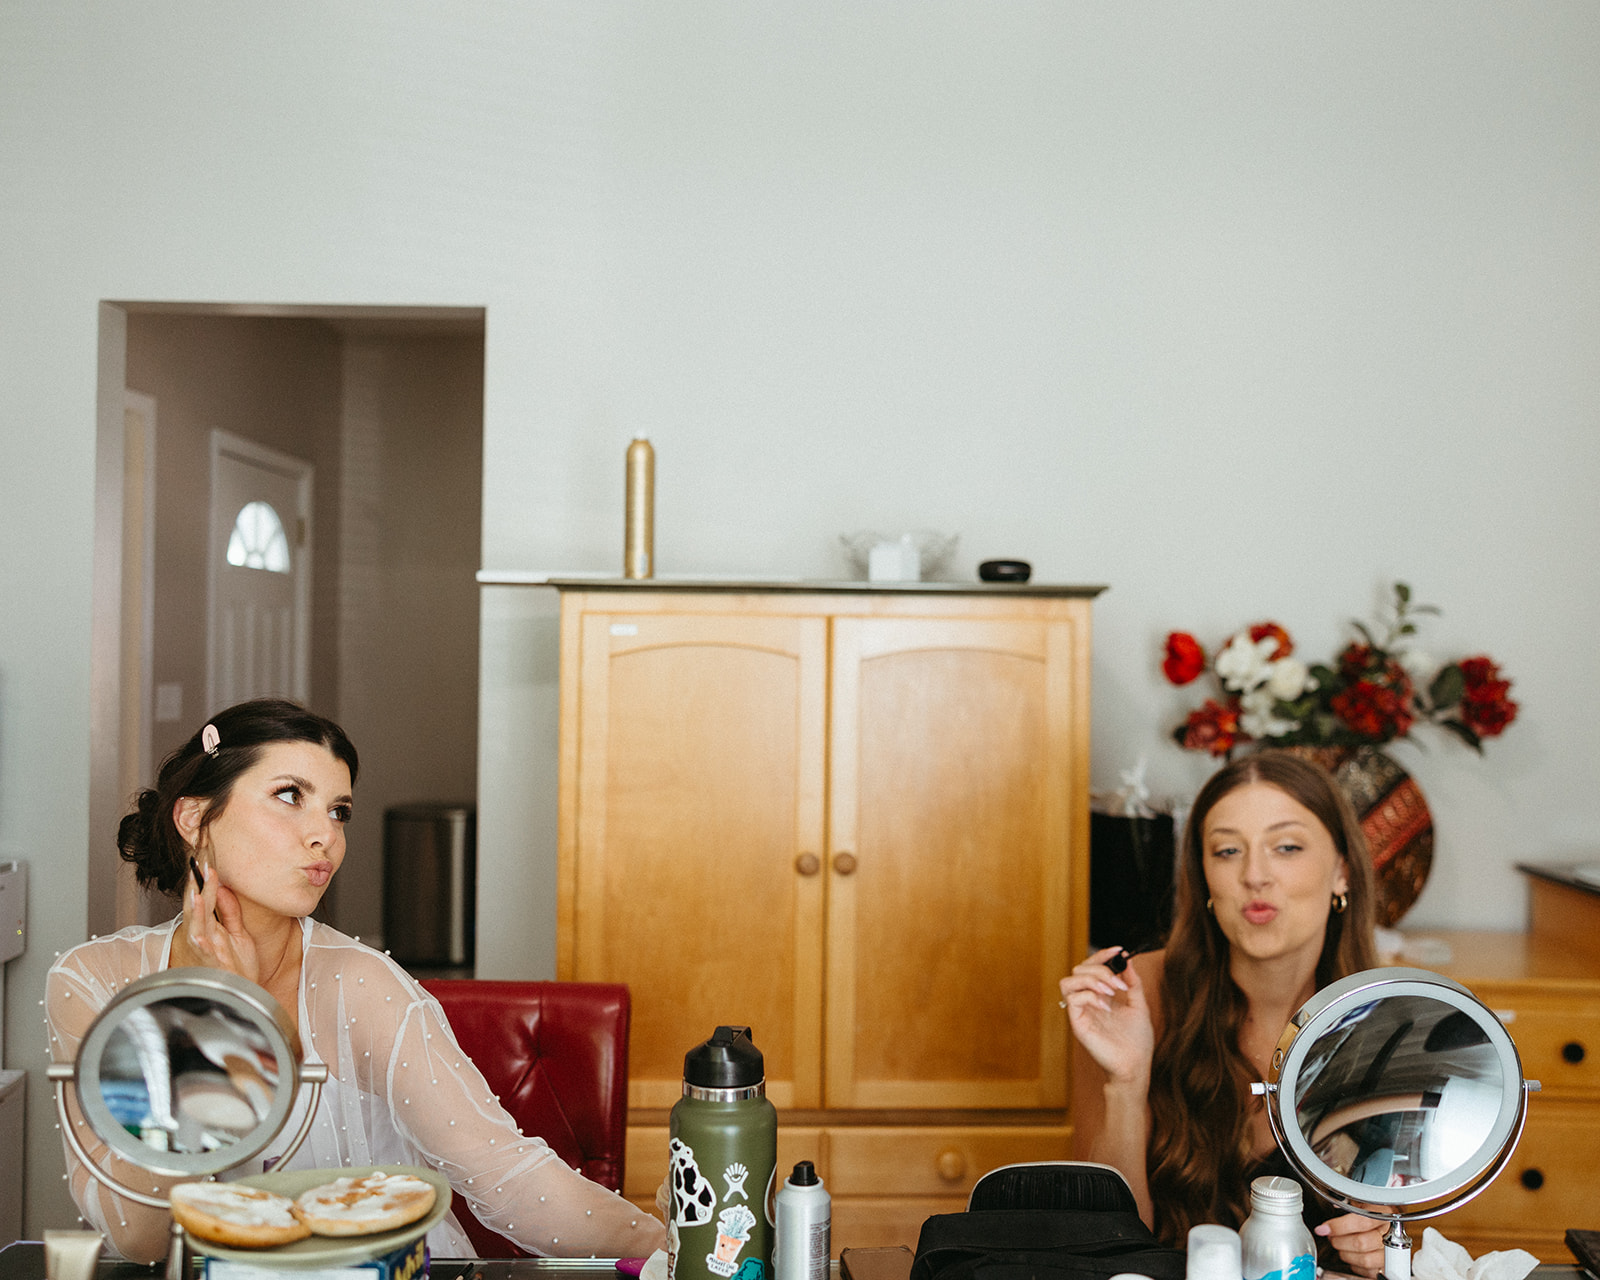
[(245, 825), (1274, 901)]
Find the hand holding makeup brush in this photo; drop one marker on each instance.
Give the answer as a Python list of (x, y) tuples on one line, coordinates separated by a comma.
[(213, 926), (1105, 1003)]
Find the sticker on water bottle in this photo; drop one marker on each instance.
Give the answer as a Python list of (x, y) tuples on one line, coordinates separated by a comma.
[(693, 1195), (733, 1233)]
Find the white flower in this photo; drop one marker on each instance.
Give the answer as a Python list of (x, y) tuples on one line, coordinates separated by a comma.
[(1257, 718), (1288, 679), (1416, 664), (1245, 663)]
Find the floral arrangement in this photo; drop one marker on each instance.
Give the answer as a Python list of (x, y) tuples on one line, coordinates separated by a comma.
[(1377, 688)]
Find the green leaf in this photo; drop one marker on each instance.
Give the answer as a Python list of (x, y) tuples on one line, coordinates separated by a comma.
[(1447, 687), (1434, 609), (1465, 733), (1402, 593), (1365, 634)]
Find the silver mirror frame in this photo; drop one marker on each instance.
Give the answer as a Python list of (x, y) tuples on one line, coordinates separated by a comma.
[(245, 1001), (1323, 1013)]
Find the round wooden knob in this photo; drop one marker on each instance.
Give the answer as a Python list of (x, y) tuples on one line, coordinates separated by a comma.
[(844, 863), (808, 864), (1533, 1179), (1572, 1052), (951, 1164)]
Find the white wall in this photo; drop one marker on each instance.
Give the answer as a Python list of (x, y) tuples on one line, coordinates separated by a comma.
[(1242, 308)]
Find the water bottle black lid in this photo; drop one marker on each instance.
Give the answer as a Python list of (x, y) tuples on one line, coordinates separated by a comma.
[(726, 1061), (804, 1175)]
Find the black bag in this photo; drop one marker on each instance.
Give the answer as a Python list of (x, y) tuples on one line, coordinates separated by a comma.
[(1041, 1244)]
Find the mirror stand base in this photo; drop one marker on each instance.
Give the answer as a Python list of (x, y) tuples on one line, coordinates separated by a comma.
[(175, 1267), (1396, 1252)]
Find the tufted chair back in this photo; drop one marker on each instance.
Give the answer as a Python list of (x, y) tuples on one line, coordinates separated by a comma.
[(556, 1054)]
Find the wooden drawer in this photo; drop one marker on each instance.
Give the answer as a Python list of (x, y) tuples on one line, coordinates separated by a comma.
[(873, 1222), (1557, 1037), (646, 1158), (938, 1162), (1548, 1185)]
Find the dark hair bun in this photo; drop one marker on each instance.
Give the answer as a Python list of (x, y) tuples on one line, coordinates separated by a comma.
[(139, 840)]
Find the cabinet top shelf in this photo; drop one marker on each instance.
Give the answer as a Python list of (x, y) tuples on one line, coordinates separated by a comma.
[(578, 582)]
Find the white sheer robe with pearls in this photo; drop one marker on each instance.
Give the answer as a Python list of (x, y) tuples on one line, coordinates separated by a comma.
[(400, 1091)]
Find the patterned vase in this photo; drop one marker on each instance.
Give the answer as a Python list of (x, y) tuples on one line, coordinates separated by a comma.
[(1394, 817)]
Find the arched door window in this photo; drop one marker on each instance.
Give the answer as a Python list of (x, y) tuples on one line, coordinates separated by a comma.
[(258, 540)]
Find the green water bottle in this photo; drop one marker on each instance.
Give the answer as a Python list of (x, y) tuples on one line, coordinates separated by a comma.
[(724, 1159)]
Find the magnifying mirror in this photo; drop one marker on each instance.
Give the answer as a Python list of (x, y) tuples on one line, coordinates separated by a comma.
[(1396, 1094), (186, 1073)]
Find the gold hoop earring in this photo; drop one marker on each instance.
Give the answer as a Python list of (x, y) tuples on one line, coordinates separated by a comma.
[(1340, 902), (1211, 907)]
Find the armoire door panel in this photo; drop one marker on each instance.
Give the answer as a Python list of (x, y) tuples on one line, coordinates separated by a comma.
[(949, 762), (699, 789)]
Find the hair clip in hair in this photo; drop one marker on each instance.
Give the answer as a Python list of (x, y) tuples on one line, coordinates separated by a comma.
[(210, 739)]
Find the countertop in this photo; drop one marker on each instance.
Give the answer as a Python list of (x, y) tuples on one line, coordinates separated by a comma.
[(571, 581), (24, 1260), (1566, 873)]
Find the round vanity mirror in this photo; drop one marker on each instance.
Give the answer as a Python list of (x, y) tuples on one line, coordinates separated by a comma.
[(1396, 1094), (186, 1073)]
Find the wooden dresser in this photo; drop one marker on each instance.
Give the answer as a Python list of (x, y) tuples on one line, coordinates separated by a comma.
[(855, 819), (1545, 985)]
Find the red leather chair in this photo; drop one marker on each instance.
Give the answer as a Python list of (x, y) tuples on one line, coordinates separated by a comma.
[(556, 1053)]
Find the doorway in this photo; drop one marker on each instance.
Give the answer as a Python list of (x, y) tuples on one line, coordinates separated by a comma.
[(381, 410)]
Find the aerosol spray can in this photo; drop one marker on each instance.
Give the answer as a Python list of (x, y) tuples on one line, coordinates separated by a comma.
[(1275, 1242), (638, 536), (804, 1236), (724, 1160)]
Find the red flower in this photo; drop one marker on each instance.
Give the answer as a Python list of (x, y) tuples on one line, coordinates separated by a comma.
[(1485, 706), (1487, 719), (1262, 630), (1355, 659), (1375, 710), (1480, 671), (1185, 658), (1212, 727)]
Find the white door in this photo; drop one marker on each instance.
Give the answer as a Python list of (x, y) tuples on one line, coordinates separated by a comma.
[(259, 625)]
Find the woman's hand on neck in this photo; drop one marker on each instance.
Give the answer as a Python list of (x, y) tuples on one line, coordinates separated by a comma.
[(219, 931)]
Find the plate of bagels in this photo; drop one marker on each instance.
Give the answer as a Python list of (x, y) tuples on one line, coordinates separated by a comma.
[(311, 1217)]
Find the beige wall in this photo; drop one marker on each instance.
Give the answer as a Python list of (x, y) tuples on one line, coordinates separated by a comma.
[(408, 634)]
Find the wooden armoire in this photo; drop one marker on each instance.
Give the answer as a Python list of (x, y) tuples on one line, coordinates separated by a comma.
[(855, 818)]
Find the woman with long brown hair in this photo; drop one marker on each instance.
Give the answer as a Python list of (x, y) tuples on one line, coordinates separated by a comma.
[(1274, 901)]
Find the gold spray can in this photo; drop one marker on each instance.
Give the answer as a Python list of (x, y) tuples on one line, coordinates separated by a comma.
[(638, 535)]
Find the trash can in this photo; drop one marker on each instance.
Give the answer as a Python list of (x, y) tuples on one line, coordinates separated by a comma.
[(430, 884)]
